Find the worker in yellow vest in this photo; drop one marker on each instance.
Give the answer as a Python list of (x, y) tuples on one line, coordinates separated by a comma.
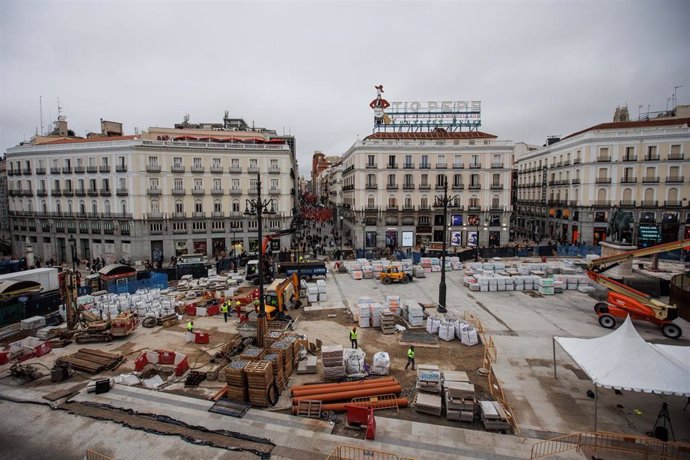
[(224, 310), (353, 337), (190, 326), (238, 308), (410, 357)]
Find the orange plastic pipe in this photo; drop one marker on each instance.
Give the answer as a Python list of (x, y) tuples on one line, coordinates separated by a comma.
[(343, 395), (220, 393), (343, 384), (340, 407), (361, 386)]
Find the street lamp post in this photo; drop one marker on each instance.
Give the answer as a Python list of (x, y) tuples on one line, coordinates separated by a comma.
[(258, 207), (364, 239), (443, 201), (341, 234), (73, 251)]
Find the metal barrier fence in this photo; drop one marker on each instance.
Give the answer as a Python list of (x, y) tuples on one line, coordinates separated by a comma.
[(362, 453), (639, 446)]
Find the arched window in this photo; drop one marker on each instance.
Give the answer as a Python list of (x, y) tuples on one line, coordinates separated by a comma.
[(123, 206), (424, 203), (627, 194), (179, 206), (69, 207), (58, 207), (408, 201), (673, 194), (371, 202), (155, 207), (82, 207), (31, 206), (601, 195), (106, 206), (495, 202), (44, 207), (457, 201), (94, 207), (391, 201), (649, 194), (217, 206), (235, 206), (198, 206), (474, 201)]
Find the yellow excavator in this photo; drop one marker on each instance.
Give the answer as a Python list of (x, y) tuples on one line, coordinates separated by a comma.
[(623, 300), (282, 294)]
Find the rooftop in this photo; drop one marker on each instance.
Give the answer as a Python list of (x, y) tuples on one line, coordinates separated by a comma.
[(436, 134), (634, 124)]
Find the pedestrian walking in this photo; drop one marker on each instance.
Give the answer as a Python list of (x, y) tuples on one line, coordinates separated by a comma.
[(353, 337), (190, 326), (224, 310), (410, 358)]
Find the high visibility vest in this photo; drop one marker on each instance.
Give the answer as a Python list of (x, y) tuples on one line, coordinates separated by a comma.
[(190, 326), (224, 308), (410, 353), (353, 335)]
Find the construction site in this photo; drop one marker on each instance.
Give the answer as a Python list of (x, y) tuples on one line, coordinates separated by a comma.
[(529, 358)]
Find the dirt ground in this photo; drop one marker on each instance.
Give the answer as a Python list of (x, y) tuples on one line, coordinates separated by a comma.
[(451, 356)]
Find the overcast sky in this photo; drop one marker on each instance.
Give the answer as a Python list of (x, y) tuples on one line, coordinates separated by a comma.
[(539, 68)]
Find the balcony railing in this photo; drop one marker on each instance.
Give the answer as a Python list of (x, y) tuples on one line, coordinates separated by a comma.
[(153, 191), (497, 165), (92, 192), (91, 169), (630, 158), (601, 203), (216, 169), (649, 203), (651, 157), (68, 192), (274, 191), (104, 168), (576, 181), (676, 156), (603, 180), (458, 166), (273, 170), (496, 186), (650, 180), (408, 165), (371, 166), (198, 191), (197, 169), (475, 186), (425, 166), (105, 192), (80, 192), (122, 192), (371, 187), (475, 166), (121, 168), (424, 208), (674, 179), (217, 214), (629, 180), (577, 161), (458, 187), (408, 186), (180, 215), (439, 187), (55, 170), (441, 165), (408, 207), (179, 191), (392, 166), (474, 207), (235, 169), (673, 203), (177, 168), (235, 191), (40, 171), (456, 207), (391, 207), (391, 186), (56, 192), (253, 169), (153, 168), (198, 215), (26, 171), (604, 159), (66, 169), (216, 191), (42, 192), (424, 187)]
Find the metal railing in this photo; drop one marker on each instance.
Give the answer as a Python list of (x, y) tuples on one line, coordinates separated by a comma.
[(361, 453)]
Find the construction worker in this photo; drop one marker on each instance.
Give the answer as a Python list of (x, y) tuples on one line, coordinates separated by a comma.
[(353, 337), (190, 327), (224, 310), (410, 357), (238, 308)]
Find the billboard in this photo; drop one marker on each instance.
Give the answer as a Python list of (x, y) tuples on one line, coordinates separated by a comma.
[(391, 238), (456, 220), (407, 239), (456, 238), (472, 238)]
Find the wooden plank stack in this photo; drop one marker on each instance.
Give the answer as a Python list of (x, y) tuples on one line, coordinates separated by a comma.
[(91, 360), (493, 416), (332, 360), (236, 378), (387, 322), (259, 379)]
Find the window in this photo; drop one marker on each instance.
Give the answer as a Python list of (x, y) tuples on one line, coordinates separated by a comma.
[(153, 161), (424, 202), (371, 203), (178, 184), (123, 206), (177, 162), (391, 179), (391, 161), (650, 172), (440, 180), (408, 180), (674, 171), (274, 163), (106, 206), (474, 180), (120, 161), (234, 163), (651, 152), (496, 179), (198, 184), (476, 162), (602, 173), (104, 162), (457, 180), (94, 207), (649, 195), (217, 206), (425, 161), (253, 163), (392, 203), (216, 184), (601, 195), (627, 195), (457, 161), (371, 180), (408, 161), (198, 206), (179, 206), (106, 184), (235, 206), (425, 179), (216, 162), (474, 201), (92, 162), (82, 207), (408, 201), (155, 207), (253, 185), (68, 185), (196, 162), (235, 184), (56, 185)]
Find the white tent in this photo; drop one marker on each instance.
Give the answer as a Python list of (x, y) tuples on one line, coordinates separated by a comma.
[(624, 361)]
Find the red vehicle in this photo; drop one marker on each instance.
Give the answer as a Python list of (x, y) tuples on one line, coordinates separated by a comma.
[(623, 300)]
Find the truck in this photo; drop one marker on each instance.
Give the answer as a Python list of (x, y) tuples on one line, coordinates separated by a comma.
[(392, 274), (304, 270)]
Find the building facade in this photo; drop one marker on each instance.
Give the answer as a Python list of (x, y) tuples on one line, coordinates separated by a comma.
[(165, 192), (568, 190), (390, 181)]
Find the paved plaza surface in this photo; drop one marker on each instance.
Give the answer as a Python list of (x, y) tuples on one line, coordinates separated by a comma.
[(521, 325)]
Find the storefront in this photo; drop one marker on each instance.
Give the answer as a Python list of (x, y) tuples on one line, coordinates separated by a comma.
[(200, 247), (598, 235), (218, 247), (423, 236), (494, 238), (157, 250), (181, 247), (670, 225)]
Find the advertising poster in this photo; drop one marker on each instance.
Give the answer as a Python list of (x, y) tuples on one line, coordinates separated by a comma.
[(200, 247), (472, 239), (494, 239), (371, 240), (391, 238), (456, 238), (456, 220), (407, 239)]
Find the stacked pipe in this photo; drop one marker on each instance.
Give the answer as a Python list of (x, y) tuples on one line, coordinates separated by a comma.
[(335, 396)]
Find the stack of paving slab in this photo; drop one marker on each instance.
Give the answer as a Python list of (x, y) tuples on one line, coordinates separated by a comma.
[(544, 286), (493, 416), (428, 403), (460, 402), (428, 379), (413, 313), (393, 304), (312, 293), (375, 309), (364, 314), (332, 361), (321, 290), (387, 322)]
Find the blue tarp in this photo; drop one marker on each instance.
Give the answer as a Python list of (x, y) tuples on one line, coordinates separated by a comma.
[(156, 281)]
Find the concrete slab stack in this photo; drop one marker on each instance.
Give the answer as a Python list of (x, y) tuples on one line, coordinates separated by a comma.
[(332, 362), (493, 416)]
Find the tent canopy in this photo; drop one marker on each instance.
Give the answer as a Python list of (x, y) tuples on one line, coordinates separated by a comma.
[(623, 360)]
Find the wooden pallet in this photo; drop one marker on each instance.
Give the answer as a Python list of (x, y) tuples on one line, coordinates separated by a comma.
[(237, 393), (309, 408), (259, 374), (236, 376)]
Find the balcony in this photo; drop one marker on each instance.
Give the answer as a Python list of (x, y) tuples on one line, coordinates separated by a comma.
[(566, 163), (94, 215), (424, 208), (629, 180), (154, 215), (674, 179), (441, 165), (497, 165), (630, 158), (66, 170), (180, 215), (408, 207), (235, 191), (274, 191), (603, 180), (408, 165), (474, 207), (391, 186), (458, 186), (198, 215), (104, 169), (198, 191), (371, 166), (217, 214), (651, 157), (105, 192), (28, 193), (178, 191), (576, 181), (577, 161), (42, 192), (673, 203), (475, 187), (217, 191), (391, 207), (458, 166), (91, 169), (40, 171), (54, 170), (675, 156), (153, 191), (371, 187), (424, 187), (121, 168), (216, 169), (650, 180), (253, 169), (475, 166), (10, 172), (371, 209), (68, 192), (92, 192), (601, 204), (153, 168), (274, 170), (235, 170), (603, 159), (122, 191), (197, 169), (253, 191), (496, 186), (26, 171), (425, 166), (392, 166), (456, 207), (80, 192), (177, 168), (439, 187), (56, 192), (408, 187), (649, 203)]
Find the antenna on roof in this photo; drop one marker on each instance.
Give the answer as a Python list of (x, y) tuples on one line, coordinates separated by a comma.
[(40, 107), (59, 107)]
